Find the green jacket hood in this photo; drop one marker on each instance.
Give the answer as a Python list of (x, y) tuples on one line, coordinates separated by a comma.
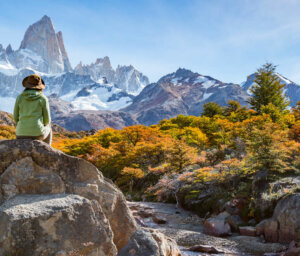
[(31, 95)]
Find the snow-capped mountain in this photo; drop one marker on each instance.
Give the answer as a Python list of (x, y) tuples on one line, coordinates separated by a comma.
[(127, 78), (97, 96), (63, 114), (182, 92), (42, 51), (291, 89)]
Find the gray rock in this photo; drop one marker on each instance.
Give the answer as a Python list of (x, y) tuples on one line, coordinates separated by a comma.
[(204, 248), (247, 231), (217, 226), (43, 165), (284, 226), (149, 242), (34, 225), (157, 218), (26, 177)]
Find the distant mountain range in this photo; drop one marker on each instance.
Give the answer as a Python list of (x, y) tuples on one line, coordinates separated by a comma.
[(95, 96), (42, 51)]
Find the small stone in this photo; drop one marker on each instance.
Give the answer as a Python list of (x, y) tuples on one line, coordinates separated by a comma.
[(247, 231), (145, 214), (159, 219), (149, 242), (262, 238), (204, 248)]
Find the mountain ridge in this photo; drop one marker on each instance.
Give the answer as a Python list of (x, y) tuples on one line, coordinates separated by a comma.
[(98, 86), (42, 51)]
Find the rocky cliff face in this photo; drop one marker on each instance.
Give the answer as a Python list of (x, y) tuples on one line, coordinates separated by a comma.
[(42, 40)]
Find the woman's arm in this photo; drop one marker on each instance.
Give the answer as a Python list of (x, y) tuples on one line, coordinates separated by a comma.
[(46, 112), (16, 111)]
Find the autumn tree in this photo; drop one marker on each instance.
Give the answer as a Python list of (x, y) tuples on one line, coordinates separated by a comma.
[(267, 89), (180, 155), (129, 175), (296, 111), (211, 109)]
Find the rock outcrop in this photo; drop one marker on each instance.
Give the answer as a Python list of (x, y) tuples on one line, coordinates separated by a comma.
[(284, 226), (149, 242), (217, 226), (44, 188), (58, 205), (50, 224)]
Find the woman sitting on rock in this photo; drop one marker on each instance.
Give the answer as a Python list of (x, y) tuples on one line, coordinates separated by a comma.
[(32, 112)]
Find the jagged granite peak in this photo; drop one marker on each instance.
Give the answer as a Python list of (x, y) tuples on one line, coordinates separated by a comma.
[(130, 79), (42, 40), (97, 70), (67, 64), (291, 89), (127, 78)]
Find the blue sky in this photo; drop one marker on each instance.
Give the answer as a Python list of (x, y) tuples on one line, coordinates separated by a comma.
[(226, 39)]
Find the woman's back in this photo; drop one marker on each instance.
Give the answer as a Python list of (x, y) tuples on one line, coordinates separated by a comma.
[(32, 112), (31, 119)]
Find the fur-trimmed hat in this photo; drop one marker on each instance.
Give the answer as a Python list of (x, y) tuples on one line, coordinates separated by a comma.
[(34, 82)]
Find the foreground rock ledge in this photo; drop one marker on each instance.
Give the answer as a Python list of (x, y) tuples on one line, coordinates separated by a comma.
[(58, 205), (32, 167), (48, 224)]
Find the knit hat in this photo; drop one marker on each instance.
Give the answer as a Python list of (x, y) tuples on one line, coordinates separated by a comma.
[(34, 82)]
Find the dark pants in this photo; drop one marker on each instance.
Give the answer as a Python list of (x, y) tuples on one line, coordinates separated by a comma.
[(47, 137)]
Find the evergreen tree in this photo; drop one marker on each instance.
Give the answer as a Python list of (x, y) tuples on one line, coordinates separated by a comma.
[(267, 89)]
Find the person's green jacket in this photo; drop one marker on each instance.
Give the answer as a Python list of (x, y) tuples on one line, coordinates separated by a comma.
[(31, 113)]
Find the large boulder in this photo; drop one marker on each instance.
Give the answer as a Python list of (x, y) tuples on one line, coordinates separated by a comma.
[(33, 167), (38, 225), (149, 242), (284, 226), (217, 226)]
